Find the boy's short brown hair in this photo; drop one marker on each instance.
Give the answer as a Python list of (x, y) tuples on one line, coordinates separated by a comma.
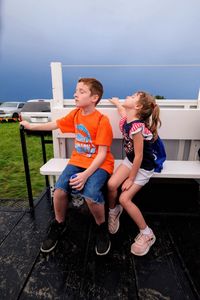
[(94, 85)]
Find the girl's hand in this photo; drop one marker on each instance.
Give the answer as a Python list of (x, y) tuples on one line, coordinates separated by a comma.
[(114, 100), (120, 108), (79, 181), (127, 184)]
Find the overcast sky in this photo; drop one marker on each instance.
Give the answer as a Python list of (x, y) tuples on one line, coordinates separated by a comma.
[(34, 33)]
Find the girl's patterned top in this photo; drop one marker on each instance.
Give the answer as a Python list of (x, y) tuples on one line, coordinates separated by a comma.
[(128, 130)]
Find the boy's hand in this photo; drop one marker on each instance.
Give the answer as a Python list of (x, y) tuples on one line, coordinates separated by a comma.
[(79, 181), (26, 124), (114, 100)]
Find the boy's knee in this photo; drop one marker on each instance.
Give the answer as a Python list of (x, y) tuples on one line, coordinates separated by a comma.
[(94, 198), (59, 194)]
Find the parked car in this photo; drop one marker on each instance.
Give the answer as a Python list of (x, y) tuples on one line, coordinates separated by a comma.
[(10, 109), (36, 111)]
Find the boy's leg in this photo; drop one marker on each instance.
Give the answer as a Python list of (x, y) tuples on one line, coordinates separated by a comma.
[(115, 211), (93, 194), (97, 210), (57, 227), (102, 236), (60, 205)]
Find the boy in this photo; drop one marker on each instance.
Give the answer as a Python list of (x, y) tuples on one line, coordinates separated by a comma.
[(91, 161)]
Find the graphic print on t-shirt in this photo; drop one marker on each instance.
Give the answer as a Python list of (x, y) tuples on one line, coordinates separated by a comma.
[(83, 141)]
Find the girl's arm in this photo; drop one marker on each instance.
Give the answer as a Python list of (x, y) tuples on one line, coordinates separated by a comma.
[(138, 143), (45, 126), (120, 108)]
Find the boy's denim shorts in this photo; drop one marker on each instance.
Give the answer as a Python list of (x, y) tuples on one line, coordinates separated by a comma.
[(93, 187)]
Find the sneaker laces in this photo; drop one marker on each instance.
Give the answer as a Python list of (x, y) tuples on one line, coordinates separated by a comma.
[(113, 216), (111, 220), (141, 238)]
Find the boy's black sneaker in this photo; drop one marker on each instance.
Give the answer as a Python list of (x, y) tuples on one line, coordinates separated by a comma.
[(102, 240), (54, 233)]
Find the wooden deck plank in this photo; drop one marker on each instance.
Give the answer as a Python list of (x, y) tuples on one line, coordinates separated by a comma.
[(159, 274), (8, 221), (59, 275), (20, 249), (111, 276), (186, 239), (73, 271)]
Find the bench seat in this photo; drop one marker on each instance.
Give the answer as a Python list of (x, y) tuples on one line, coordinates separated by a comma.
[(171, 169)]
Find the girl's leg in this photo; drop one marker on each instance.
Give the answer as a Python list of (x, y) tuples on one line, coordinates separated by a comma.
[(114, 182), (125, 200), (115, 211), (146, 238)]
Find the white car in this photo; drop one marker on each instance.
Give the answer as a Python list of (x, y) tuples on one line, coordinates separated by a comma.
[(36, 111), (10, 109)]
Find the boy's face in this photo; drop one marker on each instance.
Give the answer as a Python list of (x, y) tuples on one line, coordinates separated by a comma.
[(83, 97)]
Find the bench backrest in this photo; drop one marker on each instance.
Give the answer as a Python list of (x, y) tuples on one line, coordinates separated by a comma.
[(180, 131)]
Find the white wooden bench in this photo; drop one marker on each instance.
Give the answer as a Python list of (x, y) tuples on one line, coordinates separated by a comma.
[(180, 132)]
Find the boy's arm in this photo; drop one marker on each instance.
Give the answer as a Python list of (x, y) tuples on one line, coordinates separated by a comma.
[(97, 162), (81, 178), (120, 108), (44, 126)]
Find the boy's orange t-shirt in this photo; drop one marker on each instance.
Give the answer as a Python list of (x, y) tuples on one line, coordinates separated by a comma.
[(91, 131)]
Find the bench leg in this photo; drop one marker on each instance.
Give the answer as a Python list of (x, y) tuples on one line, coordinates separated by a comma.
[(52, 184)]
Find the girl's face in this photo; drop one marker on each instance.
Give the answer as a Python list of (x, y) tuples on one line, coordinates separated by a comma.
[(132, 101)]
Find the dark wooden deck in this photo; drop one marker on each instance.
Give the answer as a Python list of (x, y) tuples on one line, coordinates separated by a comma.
[(171, 270)]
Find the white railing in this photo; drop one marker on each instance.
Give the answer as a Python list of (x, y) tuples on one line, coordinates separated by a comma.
[(59, 101), (164, 103)]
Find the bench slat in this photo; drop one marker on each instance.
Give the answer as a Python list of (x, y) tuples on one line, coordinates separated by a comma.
[(171, 169), (187, 127)]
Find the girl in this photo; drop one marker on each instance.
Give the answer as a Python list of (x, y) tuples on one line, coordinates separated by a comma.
[(139, 121)]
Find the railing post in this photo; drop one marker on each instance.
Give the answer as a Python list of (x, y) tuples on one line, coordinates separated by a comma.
[(44, 156), (57, 84), (198, 102), (26, 167)]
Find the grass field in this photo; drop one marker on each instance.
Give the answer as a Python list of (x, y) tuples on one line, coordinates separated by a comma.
[(12, 174)]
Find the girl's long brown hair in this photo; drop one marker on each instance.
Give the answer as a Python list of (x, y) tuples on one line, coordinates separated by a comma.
[(149, 113)]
